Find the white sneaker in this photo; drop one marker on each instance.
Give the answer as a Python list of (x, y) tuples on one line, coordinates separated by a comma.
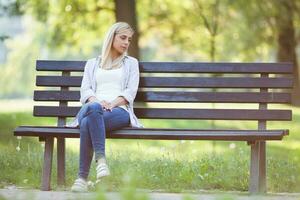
[(102, 170), (80, 185)]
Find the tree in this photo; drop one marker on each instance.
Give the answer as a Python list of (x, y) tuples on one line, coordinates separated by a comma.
[(286, 40), (125, 11), (211, 23)]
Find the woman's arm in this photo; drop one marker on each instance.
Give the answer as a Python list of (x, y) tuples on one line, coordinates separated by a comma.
[(86, 86), (92, 98), (130, 91), (119, 101)]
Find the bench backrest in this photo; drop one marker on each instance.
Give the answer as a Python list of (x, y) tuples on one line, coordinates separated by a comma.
[(180, 82)]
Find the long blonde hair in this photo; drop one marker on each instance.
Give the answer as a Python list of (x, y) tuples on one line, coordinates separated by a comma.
[(106, 58)]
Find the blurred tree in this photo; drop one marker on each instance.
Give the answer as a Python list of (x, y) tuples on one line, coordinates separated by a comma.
[(168, 30), (18, 72), (3, 37), (210, 18), (70, 21), (286, 40), (125, 11), (272, 24), (11, 8), (73, 23)]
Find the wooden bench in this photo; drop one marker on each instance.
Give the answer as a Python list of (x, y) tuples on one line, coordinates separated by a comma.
[(174, 82)]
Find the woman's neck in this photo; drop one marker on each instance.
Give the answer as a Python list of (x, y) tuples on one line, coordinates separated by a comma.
[(114, 55)]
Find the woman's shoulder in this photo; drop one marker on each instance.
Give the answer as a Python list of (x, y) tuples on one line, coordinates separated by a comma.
[(90, 63), (131, 59)]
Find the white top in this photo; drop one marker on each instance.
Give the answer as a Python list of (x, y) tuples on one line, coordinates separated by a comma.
[(109, 84), (130, 85)]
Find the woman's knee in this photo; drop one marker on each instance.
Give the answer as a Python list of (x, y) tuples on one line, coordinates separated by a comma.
[(95, 107)]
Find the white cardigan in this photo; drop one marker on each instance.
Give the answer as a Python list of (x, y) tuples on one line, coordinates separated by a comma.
[(130, 83)]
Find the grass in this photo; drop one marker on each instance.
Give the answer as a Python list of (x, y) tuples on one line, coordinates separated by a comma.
[(156, 165)]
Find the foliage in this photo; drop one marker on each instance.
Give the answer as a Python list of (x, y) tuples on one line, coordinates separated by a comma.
[(169, 31)]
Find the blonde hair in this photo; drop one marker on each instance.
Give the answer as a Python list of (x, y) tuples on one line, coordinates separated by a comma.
[(106, 58)]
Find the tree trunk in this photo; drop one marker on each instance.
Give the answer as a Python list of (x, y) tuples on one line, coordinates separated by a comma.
[(125, 11), (287, 43)]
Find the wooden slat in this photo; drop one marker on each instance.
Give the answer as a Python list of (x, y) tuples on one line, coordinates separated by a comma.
[(183, 82), (59, 65), (200, 97), (157, 133), (213, 114), (164, 113), (55, 111), (178, 67), (56, 95), (59, 81), (203, 67), (213, 97), (213, 82)]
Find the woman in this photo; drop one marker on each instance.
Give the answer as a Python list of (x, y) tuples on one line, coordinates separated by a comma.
[(107, 92)]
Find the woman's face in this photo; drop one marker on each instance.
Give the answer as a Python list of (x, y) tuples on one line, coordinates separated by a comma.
[(122, 41)]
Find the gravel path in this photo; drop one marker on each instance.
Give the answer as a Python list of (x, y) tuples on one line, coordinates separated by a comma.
[(16, 194)]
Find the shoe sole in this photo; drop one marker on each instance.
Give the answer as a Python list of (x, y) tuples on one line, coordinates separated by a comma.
[(78, 190)]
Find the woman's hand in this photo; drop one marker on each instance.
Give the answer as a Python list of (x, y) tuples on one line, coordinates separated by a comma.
[(110, 106), (105, 105)]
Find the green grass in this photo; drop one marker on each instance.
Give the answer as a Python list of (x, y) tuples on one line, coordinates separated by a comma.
[(171, 166)]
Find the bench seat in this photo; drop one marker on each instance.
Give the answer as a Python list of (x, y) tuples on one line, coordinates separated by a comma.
[(159, 133)]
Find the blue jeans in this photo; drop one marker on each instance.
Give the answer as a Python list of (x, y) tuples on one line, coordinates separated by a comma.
[(94, 122)]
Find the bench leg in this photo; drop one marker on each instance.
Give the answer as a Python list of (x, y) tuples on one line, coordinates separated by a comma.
[(61, 161), (48, 154), (258, 168)]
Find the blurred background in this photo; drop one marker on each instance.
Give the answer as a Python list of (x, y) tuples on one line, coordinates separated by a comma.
[(190, 30), (165, 30)]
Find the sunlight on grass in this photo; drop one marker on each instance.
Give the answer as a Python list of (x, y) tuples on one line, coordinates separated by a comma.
[(152, 149)]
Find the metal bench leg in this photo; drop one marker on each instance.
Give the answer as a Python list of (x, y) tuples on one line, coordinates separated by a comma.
[(258, 168), (61, 161), (48, 153)]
